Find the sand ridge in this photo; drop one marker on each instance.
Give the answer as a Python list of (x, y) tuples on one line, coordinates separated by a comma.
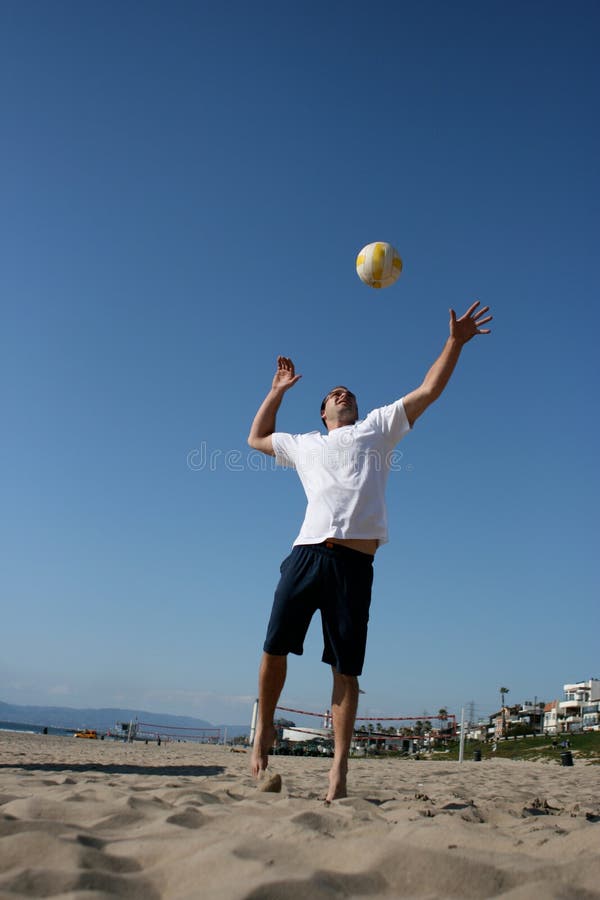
[(99, 819)]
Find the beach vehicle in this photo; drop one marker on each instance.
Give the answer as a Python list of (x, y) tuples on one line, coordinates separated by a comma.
[(88, 733)]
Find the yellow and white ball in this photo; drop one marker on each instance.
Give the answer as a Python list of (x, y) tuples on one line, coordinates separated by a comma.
[(378, 264)]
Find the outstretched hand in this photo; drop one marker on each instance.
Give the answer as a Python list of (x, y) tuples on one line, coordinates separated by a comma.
[(285, 376), (469, 325)]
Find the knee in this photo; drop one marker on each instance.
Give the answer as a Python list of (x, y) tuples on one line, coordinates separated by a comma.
[(274, 659), (350, 681)]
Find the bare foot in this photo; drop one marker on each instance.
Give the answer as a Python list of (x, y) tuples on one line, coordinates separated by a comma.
[(263, 741), (337, 783)]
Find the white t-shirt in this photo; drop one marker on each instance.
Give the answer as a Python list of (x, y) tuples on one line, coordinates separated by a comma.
[(344, 474)]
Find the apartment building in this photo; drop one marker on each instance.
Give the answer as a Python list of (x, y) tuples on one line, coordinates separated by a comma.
[(579, 710)]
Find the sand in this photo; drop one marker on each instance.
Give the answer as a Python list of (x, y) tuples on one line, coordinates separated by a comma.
[(97, 819)]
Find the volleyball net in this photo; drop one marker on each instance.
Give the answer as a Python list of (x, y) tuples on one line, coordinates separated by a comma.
[(370, 730), (159, 732)]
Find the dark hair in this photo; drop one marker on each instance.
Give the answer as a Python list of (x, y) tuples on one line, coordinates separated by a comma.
[(340, 387)]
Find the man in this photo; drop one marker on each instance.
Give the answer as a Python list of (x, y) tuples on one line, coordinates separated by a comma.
[(330, 568)]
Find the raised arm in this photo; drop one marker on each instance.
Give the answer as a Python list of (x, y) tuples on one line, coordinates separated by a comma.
[(461, 331), (263, 425)]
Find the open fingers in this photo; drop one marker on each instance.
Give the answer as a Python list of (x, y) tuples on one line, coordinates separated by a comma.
[(476, 317), (474, 306)]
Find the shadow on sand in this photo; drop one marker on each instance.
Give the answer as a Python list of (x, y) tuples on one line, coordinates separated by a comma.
[(115, 769)]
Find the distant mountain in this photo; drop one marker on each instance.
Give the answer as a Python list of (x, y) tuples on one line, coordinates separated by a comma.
[(103, 719)]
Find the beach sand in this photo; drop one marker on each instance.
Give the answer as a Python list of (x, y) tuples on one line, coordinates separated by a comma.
[(99, 819)]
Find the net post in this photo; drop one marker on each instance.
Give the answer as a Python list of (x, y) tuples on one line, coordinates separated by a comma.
[(461, 748), (253, 722)]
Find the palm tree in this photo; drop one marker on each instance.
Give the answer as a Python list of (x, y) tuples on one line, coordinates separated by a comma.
[(443, 718), (503, 692)]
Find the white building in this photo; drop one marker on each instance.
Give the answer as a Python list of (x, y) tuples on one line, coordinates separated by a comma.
[(578, 710), (477, 732), (551, 717), (310, 733)]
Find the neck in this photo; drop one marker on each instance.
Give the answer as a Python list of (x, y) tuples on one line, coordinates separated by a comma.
[(331, 426)]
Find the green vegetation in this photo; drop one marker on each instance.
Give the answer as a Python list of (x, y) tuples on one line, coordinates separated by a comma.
[(317, 747), (540, 747)]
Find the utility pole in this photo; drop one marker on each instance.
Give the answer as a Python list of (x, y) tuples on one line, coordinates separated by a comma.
[(471, 712), (461, 745)]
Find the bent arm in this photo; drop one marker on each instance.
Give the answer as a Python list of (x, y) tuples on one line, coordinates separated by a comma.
[(263, 425), (438, 376)]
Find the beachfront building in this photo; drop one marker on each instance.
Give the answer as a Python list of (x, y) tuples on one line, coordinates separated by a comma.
[(531, 717), (551, 717), (502, 721), (498, 722), (579, 710), (591, 716), (298, 734), (522, 718), (476, 732)]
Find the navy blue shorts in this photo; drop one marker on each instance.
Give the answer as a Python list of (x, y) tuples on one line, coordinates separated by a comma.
[(335, 580)]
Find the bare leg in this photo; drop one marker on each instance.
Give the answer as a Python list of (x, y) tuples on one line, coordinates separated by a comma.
[(344, 703), (271, 678)]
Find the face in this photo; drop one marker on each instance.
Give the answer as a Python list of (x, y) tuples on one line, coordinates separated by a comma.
[(340, 407)]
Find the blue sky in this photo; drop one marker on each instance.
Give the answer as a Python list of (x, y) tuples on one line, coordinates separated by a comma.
[(185, 187)]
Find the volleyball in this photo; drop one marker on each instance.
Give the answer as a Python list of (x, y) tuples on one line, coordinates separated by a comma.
[(378, 264)]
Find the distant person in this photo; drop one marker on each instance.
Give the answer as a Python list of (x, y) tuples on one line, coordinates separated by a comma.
[(330, 568)]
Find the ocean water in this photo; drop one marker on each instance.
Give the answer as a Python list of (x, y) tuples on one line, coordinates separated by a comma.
[(33, 729)]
